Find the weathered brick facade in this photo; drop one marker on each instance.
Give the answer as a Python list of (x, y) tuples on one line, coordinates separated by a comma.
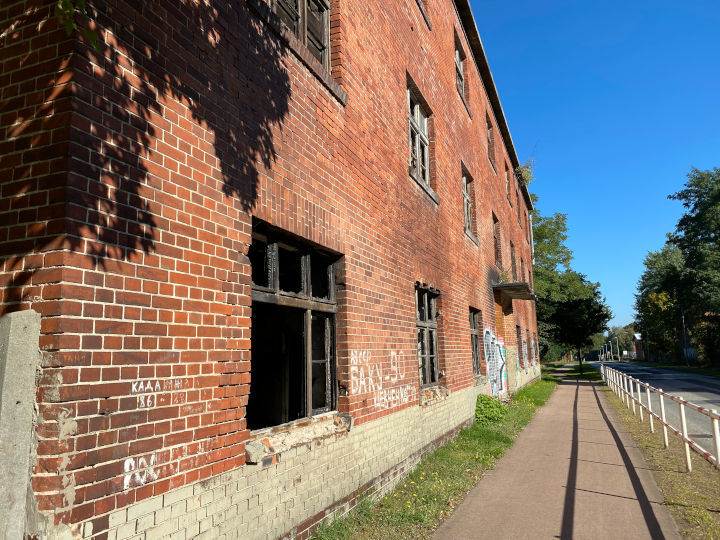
[(131, 178)]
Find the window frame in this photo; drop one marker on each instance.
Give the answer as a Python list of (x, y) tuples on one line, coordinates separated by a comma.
[(468, 194), (299, 28), (497, 241), (313, 307), (427, 328), (507, 184), (476, 341), (513, 262), (419, 126), (460, 79), (490, 133)]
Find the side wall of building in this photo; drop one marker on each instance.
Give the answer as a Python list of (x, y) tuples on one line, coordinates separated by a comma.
[(188, 121)]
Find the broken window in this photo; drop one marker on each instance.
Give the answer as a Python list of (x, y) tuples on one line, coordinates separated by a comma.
[(426, 318), (467, 188), (459, 68), (293, 329), (513, 262), (496, 242), (490, 142), (419, 139), (475, 340), (519, 214), (507, 184), (309, 22)]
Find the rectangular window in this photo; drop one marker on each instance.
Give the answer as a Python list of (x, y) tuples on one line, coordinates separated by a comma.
[(522, 269), (518, 342), (519, 214), (490, 142), (476, 324), (459, 68), (468, 213), (527, 227), (419, 140), (497, 246), (309, 21), (507, 184), (513, 262), (529, 354), (292, 365), (426, 319)]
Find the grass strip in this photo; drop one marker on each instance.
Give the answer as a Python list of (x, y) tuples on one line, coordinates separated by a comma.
[(692, 498), (440, 482)]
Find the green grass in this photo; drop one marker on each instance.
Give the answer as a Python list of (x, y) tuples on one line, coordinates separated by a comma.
[(431, 492)]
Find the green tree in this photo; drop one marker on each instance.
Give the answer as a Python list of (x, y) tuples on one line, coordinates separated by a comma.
[(697, 235), (658, 302)]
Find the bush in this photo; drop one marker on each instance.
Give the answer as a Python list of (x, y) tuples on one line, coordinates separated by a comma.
[(488, 410)]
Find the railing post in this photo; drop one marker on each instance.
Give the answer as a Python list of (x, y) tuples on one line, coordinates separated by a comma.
[(716, 439), (683, 424), (640, 403), (625, 390), (662, 416), (632, 395), (649, 406)]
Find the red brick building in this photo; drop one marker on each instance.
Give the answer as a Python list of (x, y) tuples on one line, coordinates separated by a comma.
[(277, 249)]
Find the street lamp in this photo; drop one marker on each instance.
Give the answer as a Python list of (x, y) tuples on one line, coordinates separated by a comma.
[(617, 342), (610, 344)]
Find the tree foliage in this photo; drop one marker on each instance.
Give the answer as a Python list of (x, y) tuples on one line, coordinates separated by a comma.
[(683, 278)]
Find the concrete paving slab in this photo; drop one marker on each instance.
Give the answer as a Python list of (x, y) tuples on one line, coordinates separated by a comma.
[(572, 473)]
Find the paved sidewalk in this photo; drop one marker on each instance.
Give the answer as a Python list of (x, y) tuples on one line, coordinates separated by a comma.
[(572, 473)]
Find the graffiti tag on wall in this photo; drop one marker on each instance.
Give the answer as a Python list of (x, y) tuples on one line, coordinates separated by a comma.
[(494, 348), (380, 379)]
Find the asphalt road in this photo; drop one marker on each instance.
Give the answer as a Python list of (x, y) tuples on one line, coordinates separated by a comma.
[(701, 390)]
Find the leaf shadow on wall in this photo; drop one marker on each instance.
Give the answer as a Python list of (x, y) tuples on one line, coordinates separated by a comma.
[(177, 106)]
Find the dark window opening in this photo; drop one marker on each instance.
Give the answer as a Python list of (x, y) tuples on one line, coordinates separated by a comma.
[(490, 142), (290, 274), (496, 242), (507, 184), (259, 262), (513, 262), (460, 69), (277, 389), (426, 320), (293, 365), (476, 340)]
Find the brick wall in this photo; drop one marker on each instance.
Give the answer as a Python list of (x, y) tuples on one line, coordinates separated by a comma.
[(133, 174)]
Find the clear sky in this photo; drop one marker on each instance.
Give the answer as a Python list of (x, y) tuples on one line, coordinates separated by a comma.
[(615, 101)]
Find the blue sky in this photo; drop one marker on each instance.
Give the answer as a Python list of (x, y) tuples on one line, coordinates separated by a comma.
[(615, 102)]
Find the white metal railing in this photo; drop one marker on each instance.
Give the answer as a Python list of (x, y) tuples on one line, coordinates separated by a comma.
[(630, 391)]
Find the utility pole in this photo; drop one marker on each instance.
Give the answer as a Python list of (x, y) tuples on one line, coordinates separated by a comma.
[(682, 315), (617, 342)]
